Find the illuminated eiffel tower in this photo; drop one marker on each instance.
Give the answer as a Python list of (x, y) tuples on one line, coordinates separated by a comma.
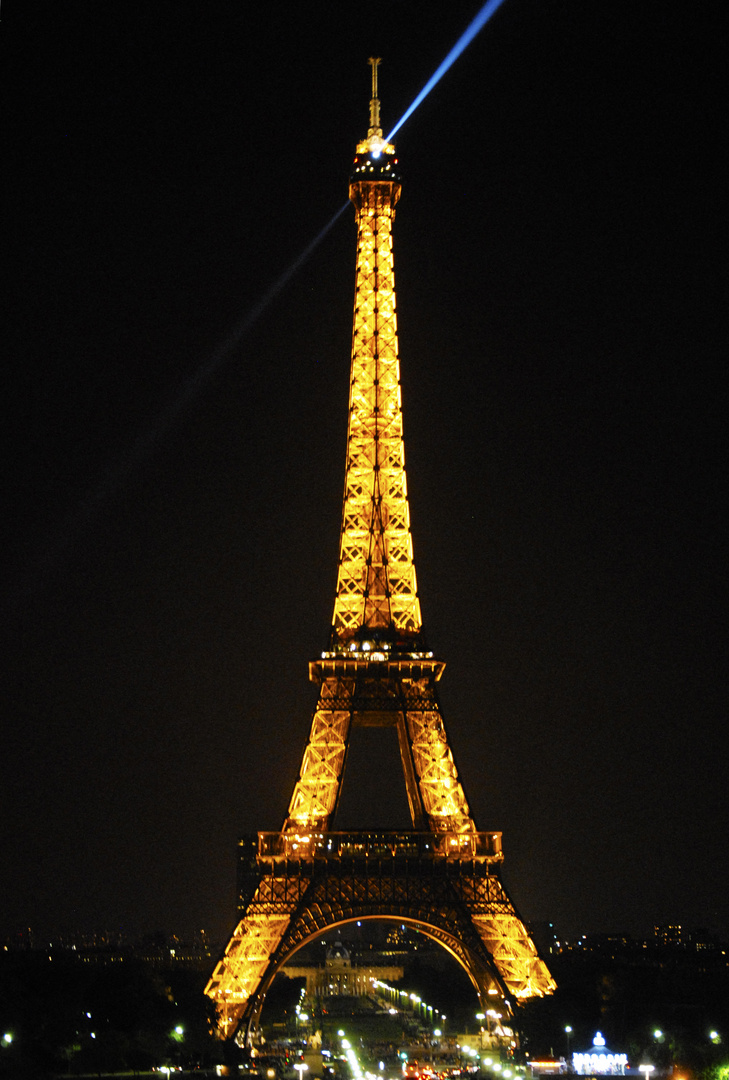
[(442, 877)]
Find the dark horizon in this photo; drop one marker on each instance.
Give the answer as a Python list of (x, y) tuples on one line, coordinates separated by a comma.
[(128, 934), (562, 341)]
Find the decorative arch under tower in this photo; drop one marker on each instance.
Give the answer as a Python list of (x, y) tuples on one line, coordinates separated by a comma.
[(443, 875)]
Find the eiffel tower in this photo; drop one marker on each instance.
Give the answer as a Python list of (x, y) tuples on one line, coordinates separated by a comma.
[(442, 876)]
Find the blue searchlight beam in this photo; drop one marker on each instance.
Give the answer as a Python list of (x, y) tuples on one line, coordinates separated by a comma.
[(170, 413), (464, 40), (63, 541)]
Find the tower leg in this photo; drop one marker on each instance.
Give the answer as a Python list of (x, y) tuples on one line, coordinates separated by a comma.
[(459, 903)]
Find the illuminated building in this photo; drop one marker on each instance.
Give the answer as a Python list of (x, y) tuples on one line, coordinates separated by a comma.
[(671, 935), (547, 1066), (443, 876), (599, 1061), (339, 977)]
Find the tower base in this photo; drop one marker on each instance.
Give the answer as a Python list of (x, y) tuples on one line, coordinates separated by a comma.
[(446, 885)]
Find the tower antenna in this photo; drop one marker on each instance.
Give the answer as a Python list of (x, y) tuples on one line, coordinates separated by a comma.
[(375, 128)]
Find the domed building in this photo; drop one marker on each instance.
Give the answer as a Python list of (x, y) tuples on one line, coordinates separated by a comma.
[(599, 1061), (338, 972), (339, 977)]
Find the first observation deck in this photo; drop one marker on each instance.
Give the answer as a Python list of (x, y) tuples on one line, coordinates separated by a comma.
[(482, 847)]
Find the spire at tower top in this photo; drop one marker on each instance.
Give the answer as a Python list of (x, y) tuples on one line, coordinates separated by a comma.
[(374, 144), (375, 128)]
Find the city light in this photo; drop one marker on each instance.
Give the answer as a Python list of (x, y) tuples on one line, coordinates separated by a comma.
[(429, 1011), (354, 1065)]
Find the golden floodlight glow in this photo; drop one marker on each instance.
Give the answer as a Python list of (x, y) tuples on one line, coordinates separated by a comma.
[(377, 672)]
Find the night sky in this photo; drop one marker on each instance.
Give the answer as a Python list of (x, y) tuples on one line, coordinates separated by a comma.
[(173, 469)]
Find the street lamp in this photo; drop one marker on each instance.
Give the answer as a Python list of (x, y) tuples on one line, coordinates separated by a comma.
[(568, 1032), (481, 1017)]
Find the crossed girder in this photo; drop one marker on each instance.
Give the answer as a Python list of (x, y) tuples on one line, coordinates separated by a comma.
[(378, 693), (460, 903), (302, 882), (376, 586), (309, 882)]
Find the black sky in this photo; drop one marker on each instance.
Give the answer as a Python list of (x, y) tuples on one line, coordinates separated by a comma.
[(169, 571)]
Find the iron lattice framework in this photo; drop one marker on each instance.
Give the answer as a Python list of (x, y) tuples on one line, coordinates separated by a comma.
[(442, 877)]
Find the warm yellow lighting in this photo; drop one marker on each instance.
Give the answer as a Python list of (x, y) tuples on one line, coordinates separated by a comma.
[(375, 673)]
